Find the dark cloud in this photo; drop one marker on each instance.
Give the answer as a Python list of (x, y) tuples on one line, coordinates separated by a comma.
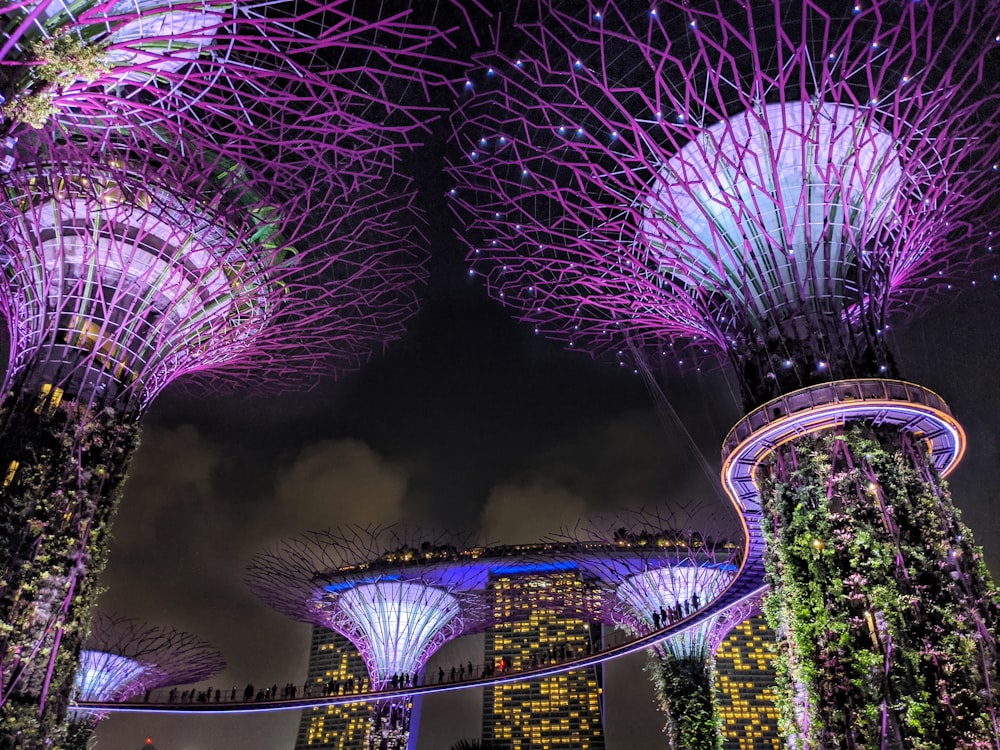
[(524, 512), (337, 482), (625, 462)]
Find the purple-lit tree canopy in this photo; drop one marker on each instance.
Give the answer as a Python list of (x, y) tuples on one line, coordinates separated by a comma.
[(124, 657), (660, 574), (772, 183), (397, 594), (767, 181), (131, 261), (219, 203), (215, 62)]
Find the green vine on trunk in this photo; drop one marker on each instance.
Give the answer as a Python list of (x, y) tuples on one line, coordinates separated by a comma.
[(63, 468), (685, 690), (58, 62), (886, 614)]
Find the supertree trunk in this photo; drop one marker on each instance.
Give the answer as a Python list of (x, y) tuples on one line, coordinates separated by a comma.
[(78, 736), (64, 466), (686, 695), (389, 725), (807, 349), (886, 613)]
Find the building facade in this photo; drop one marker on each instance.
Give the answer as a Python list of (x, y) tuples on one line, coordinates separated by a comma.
[(744, 687), (562, 711), (334, 666)]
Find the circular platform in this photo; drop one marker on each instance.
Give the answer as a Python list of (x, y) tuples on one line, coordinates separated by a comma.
[(905, 406)]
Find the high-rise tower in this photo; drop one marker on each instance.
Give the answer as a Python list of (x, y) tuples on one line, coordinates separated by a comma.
[(745, 687), (561, 711), (335, 667)]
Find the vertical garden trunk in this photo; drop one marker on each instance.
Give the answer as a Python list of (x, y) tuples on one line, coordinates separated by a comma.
[(885, 612), (79, 734), (389, 725), (62, 467), (685, 690)]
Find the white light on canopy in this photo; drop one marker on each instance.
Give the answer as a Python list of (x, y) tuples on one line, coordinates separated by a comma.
[(774, 205), (177, 264), (398, 621), (162, 37), (105, 677), (644, 593), (140, 276), (647, 592)]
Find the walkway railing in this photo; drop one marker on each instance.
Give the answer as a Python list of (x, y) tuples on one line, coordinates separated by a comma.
[(827, 395), (159, 703)]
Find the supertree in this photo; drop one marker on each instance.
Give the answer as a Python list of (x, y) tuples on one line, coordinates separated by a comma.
[(124, 657), (130, 262), (245, 225), (659, 573), (398, 594), (774, 183)]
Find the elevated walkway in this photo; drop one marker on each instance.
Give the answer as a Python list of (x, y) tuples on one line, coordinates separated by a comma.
[(905, 406)]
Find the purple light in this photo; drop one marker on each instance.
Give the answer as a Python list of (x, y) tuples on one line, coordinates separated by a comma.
[(824, 180), (671, 589), (815, 174), (135, 273), (378, 588), (214, 198), (665, 588), (657, 575), (125, 657), (204, 65), (794, 197), (822, 407), (395, 593), (744, 606)]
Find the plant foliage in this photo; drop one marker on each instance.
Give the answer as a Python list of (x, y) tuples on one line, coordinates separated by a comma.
[(58, 61), (64, 467), (686, 694), (886, 614)]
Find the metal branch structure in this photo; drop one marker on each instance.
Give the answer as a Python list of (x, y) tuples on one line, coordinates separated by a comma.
[(660, 573), (133, 260), (773, 184), (124, 657), (764, 182), (218, 64), (220, 204)]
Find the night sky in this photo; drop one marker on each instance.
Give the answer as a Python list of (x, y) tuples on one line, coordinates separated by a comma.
[(471, 423)]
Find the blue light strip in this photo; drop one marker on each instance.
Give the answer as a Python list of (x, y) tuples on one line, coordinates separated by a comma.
[(526, 568), (335, 588)]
